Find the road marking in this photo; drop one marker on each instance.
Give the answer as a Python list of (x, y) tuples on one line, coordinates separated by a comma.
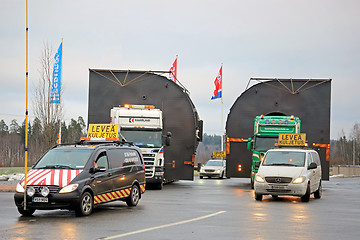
[(163, 226)]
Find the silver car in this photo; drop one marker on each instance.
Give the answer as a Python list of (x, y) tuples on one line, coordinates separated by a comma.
[(213, 168)]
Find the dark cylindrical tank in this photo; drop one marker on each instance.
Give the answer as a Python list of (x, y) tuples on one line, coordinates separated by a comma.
[(110, 88), (308, 99)]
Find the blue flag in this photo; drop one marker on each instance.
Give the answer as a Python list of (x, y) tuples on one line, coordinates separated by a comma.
[(56, 81)]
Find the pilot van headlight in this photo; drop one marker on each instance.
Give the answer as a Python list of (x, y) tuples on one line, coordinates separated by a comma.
[(45, 191), (259, 179), (19, 188), (30, 191), (69, 188), (299, 180)]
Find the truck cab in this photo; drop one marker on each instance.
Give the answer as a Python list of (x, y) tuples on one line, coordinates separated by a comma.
[(143, 125), (266, 134)]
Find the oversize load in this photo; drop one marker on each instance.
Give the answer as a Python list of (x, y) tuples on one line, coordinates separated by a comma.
[(292, 139), (102, 131)]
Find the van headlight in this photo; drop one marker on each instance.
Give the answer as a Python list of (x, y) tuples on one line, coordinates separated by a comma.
[(259, 179), (69, 188), (19, 188), (299, 180)]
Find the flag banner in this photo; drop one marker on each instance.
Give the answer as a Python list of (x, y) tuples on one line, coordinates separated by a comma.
[(173, 71), (56, 81), (218, 86)]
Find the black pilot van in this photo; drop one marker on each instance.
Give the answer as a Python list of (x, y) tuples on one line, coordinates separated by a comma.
[(81, 176)]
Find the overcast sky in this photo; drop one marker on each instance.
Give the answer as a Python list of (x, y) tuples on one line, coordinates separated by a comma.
[(252, 38)]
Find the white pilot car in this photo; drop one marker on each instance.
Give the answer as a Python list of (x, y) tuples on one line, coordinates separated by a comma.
[(213, 168), (289, 171)]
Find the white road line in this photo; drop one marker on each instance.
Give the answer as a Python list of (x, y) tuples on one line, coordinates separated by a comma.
[(163, 226)]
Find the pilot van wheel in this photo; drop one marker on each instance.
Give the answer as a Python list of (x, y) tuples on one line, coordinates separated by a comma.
[(306, 197), (134, 197), (85, 206), (318, 193), (258, 197), (26, 213)]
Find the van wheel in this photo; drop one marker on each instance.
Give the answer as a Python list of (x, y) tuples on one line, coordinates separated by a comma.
[(306, 197), (85, 206), (258, 197), (222, 175), (26, 213), (201, 177), (134, 197), (318, 193)]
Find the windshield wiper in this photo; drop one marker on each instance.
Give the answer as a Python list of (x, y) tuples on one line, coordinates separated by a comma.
[(281, 164), (56, 167)]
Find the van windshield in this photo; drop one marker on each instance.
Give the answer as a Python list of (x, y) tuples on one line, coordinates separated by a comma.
[(64, 159), (284, 158)]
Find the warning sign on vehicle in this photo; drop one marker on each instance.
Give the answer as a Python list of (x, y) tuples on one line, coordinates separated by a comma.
[(292, 139), (218, 154), (102, 131)]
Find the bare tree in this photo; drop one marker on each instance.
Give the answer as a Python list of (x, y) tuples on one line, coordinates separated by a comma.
[(49, 114)]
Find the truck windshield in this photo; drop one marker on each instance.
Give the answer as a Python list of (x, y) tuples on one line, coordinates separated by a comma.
[(262, 144), (145, 139), (64, 159), (284, 158)]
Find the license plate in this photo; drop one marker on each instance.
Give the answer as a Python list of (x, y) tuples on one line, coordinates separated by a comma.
[(40, 199), (278, 187)]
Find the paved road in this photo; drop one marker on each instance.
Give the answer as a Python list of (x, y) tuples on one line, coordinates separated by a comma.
[(202, 209)]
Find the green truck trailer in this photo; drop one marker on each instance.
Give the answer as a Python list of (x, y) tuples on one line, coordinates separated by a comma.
[(266, 133)]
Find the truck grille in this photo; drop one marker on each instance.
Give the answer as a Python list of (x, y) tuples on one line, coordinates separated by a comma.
[(278, 179), (149, 160)]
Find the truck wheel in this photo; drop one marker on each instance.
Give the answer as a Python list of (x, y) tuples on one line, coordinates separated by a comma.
[(306, 197), (258, 197), (159, 186), (134, 197), (318, 193), (26, 213), (85, 206)]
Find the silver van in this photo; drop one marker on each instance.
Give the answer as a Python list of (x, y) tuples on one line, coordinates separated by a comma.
[(289, 171)]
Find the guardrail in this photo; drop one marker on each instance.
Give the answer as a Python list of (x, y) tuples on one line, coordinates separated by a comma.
[(345, 170)]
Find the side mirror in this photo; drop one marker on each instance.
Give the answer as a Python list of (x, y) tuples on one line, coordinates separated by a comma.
[(312, 166), (249, 144), (257, 164), (168, 138)]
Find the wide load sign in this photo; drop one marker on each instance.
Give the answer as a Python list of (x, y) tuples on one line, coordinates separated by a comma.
[(292, 139), (103, 131)]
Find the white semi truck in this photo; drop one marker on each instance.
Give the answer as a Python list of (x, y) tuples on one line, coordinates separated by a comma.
[(143, 125)]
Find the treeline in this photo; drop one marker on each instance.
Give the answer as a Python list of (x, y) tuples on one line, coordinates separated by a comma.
[(40, 139), (346, 149)]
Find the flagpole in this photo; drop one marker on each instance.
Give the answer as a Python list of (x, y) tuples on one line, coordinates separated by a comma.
[(61, 77), (26, 111), (222, 112)]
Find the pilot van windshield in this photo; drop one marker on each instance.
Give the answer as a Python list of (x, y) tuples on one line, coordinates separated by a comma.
[(284, 158), (64, 159)]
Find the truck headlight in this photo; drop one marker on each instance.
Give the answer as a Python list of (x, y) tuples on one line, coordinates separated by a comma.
[(299, 180), (69, 188), (259, 179), (19, 188)]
